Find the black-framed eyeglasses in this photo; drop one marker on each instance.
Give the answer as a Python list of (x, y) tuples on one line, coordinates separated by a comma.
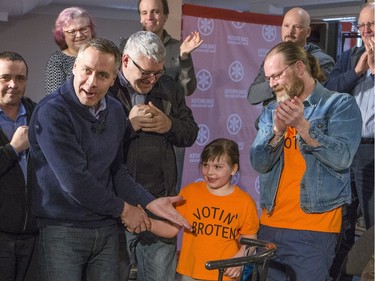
[(82, 30), (367, 24), (277, 76), (148, 74)]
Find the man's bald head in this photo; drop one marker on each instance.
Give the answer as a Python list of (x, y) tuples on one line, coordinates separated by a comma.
[(296, 26)]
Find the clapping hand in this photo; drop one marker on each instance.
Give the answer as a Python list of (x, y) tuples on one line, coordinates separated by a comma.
[(138, 111), (369, 45), (156, 122)]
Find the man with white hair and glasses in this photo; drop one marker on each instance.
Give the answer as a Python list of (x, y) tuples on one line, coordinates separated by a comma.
[(354, 74)]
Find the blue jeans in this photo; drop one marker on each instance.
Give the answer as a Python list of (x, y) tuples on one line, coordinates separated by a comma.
[(155, 261), (124, 263), (301, 255), (68, 253), (362, 170), (15, 255)]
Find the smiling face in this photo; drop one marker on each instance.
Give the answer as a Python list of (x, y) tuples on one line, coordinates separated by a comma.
[(13, 76), (152, 17), (133, 73), (366, 18), (217, 172), (94, 72), (283, 78), (77, 32)]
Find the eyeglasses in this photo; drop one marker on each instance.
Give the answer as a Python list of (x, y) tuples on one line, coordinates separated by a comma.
[(277, 76), (148, 74), (367, 24), (82, 30)]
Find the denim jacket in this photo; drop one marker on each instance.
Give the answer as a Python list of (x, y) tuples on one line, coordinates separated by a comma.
[(335, 122)]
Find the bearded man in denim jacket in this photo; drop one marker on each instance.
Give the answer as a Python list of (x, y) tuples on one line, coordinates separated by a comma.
[(303, 150)]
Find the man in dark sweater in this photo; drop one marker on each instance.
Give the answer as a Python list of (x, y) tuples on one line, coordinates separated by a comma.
[(17, 224), (76, 136), (160, 119)]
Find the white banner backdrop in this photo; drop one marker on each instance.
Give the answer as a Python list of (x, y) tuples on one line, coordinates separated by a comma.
[(235, 44)]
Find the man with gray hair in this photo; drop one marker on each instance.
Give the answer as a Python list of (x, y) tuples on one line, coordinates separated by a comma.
[(159, 118), (354, 74)]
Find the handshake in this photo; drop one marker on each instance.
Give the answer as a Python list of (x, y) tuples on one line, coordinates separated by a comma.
[(135, 219)]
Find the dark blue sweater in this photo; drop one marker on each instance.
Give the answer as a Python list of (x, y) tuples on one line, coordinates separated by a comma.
[(78, 162)]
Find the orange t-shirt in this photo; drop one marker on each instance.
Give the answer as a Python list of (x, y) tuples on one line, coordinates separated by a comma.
[(219, 222), (287, 212)]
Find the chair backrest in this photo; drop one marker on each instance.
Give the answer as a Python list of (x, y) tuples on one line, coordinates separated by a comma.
[(264, 252)]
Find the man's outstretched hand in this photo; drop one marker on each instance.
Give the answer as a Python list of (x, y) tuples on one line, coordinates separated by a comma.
[(164, 207)]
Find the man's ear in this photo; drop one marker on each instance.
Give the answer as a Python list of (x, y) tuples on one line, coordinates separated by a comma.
[(74, 68), (125, 59), (308, 32), (299, 67)]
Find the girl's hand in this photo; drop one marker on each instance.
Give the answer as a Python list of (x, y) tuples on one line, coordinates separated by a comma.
[(233, 272)]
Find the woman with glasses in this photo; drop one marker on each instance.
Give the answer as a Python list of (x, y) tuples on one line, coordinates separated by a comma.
[(73, 27)]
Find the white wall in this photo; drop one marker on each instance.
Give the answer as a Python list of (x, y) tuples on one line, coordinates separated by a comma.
[(173, 24), (30, 35)]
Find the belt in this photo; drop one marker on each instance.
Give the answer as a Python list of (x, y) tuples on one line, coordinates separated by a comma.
[(367, 140)]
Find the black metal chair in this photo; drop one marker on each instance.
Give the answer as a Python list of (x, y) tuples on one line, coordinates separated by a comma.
[(264, 252)]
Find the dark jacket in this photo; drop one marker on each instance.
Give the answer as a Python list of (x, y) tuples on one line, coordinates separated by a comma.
[(15, 196), (150, 156), (343, 77)]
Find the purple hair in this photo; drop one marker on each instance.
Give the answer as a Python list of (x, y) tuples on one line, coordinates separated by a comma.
[(64, 18)]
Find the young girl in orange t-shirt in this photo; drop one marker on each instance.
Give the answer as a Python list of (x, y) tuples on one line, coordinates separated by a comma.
[(220, 213)]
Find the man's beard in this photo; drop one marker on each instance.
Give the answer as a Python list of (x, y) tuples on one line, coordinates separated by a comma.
[(289, 92)]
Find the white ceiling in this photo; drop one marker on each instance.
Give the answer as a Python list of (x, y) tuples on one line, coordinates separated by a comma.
[(316, 8)]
